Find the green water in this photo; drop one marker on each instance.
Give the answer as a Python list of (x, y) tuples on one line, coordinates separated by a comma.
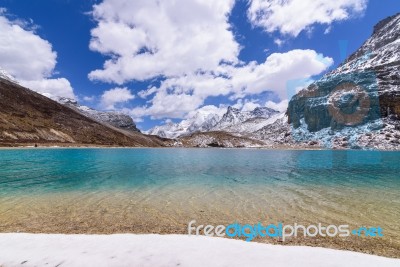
[(52, 170), (161, 190)]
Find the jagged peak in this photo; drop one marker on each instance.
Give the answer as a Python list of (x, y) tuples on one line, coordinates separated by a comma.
[(232, 109), (381, 24), (264, 109)]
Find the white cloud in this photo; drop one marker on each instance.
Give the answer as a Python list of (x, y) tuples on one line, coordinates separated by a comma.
[(207, 110), (279, 42), (179, 95), (250, 105), (30, 59), (293, 16), (281, 106), (246, 104), (328, 30), (278, 68), (165, 105), (89, 98), (187, 46), (23, 54), (115, 96), (50, 87), (150, 38)]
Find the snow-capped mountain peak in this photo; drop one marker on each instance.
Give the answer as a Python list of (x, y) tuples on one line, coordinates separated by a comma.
[(263, 112), (199, 122), (5, 75), (234, 116), (233, 120)]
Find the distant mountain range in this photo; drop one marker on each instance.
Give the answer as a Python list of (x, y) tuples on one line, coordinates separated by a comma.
[(233, 121)]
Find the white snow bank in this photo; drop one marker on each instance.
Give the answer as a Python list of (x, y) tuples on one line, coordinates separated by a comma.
[(168, 250)]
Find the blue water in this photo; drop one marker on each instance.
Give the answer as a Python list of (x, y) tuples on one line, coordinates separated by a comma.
[(161, 190), (117, 190), (51, 170)]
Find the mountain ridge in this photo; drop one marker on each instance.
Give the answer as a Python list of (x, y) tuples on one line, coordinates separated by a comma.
[(116, 119), (232, 121), (28, 118), (355, 106)]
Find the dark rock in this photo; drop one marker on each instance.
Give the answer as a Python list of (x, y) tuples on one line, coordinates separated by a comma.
[(215, 144)]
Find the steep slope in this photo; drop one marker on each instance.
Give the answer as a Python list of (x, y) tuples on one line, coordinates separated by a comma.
[(115, 119), (358, 104), (27, 117)]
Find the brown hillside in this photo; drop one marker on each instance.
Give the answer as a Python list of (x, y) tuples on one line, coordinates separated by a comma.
[(27, 117)]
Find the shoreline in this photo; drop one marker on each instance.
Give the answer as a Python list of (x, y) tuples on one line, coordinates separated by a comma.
[(191, 147), (168, 250), (83, 146), (62, 146)]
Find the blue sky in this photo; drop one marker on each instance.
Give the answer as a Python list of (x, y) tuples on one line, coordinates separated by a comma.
[(168, 60)]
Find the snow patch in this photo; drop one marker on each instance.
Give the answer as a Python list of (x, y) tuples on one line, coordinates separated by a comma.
[(168, 250)]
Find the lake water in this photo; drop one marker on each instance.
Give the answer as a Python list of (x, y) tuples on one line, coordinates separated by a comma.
[(161, 190)]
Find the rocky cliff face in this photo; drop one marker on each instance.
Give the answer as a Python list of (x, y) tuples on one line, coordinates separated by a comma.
[(115, 119), (363, 90)]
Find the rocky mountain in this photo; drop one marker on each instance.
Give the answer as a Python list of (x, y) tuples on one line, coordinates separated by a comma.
[(200, 122), (236, 121), (233, 121), (354, 106), (28, 118), (358, 104), (168, 130), (6, 76), (115, 119), (218, 139)]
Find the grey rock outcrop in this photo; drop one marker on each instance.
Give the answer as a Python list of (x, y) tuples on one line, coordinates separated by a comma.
[(115, 119)]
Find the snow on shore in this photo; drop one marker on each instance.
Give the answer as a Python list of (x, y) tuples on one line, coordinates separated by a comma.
[(168, 250)]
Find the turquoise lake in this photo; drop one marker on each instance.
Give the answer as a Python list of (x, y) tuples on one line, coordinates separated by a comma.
[(53, 170), (161, 190)]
